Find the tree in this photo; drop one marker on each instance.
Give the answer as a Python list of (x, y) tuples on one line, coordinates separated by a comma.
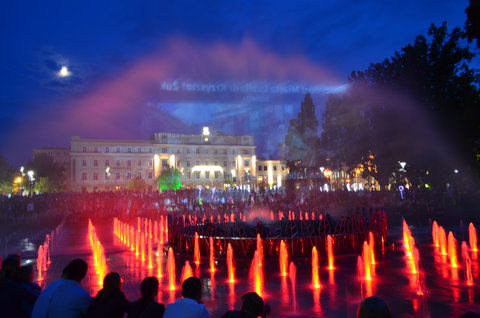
[(44, 166), (301, 140), (420, 106), (472, 23), (136, 184), (169, 179), (7, 173)]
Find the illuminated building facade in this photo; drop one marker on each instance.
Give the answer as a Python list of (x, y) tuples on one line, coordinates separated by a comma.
[(210, 160), (271, 172)]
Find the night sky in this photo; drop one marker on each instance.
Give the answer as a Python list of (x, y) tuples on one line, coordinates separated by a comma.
[(143, 66)]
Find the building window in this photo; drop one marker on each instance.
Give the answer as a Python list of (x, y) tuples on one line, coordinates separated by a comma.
[(215, 151), (179, 150), (84, 163), (206, 151), (259, 168), (283, 168), (197, 163), (129, 163), (164, 150), (274, 168), (206, 163), (188, 175), (118, 149), (188, 163), (84, 149), (118, 163), (245, 151), (188, 150), (107, 177), (233, 163), (265, 168), (129, 149), (139, 175), (150, 175), (224, 151), (139, 149), (233, 151), (197, 175), (107, 149), (129, 176), (149, 163), (107, 163), (207, 174), (95, 163), (95, 176), (215, 163), (84, 176), (139, 163), (95, 149), (117, 176), (247, 162), (150, 150), (224, 163), (197, 151), (216, 174)]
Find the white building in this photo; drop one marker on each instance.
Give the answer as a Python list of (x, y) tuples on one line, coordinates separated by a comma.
[(271, 172), (206, 159)]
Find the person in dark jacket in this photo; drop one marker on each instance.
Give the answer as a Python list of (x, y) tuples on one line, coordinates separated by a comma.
[(110, 301), (12, 295), (147, 306)]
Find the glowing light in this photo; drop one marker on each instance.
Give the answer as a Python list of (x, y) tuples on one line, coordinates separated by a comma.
[(230, 265), (315, 274), (283, 259), (64, 72), (472, 235), (207, 168), (206, 131)]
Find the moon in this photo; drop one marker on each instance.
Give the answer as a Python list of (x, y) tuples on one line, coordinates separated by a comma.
[(64, 72)]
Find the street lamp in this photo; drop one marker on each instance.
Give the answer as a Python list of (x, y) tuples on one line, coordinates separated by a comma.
[(31, 179)]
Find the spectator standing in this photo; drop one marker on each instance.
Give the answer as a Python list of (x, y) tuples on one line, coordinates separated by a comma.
[(190, 306), (147, 307), (65, 297), (110, 301)]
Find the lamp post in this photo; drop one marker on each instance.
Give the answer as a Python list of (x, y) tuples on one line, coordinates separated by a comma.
[(30, 174)]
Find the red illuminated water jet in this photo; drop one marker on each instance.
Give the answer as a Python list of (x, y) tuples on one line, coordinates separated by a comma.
[(315, 269), (230, 264), (283, 259)]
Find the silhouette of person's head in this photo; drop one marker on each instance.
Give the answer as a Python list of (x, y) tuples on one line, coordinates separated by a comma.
[(10, 266), (252, 304), (112, 282), (75, 270), (25, 273), (192, 288), (373, 307), (149, 287)]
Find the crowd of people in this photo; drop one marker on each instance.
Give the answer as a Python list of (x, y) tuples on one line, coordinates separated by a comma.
[(20, 297), (415, 203)]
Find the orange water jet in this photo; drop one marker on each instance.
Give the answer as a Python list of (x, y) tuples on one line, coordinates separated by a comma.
[(230, 265), (315, 274), (171, 269), (292, 270), (187, 271), (472, 236), (159, 260), (442, 240), (452, 250), (330, 256), (149, 254), (212, 255), (196, 250), (256, 274), (371, 245), (467, 262), (367, 263), (260, 250), (283, 259)]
